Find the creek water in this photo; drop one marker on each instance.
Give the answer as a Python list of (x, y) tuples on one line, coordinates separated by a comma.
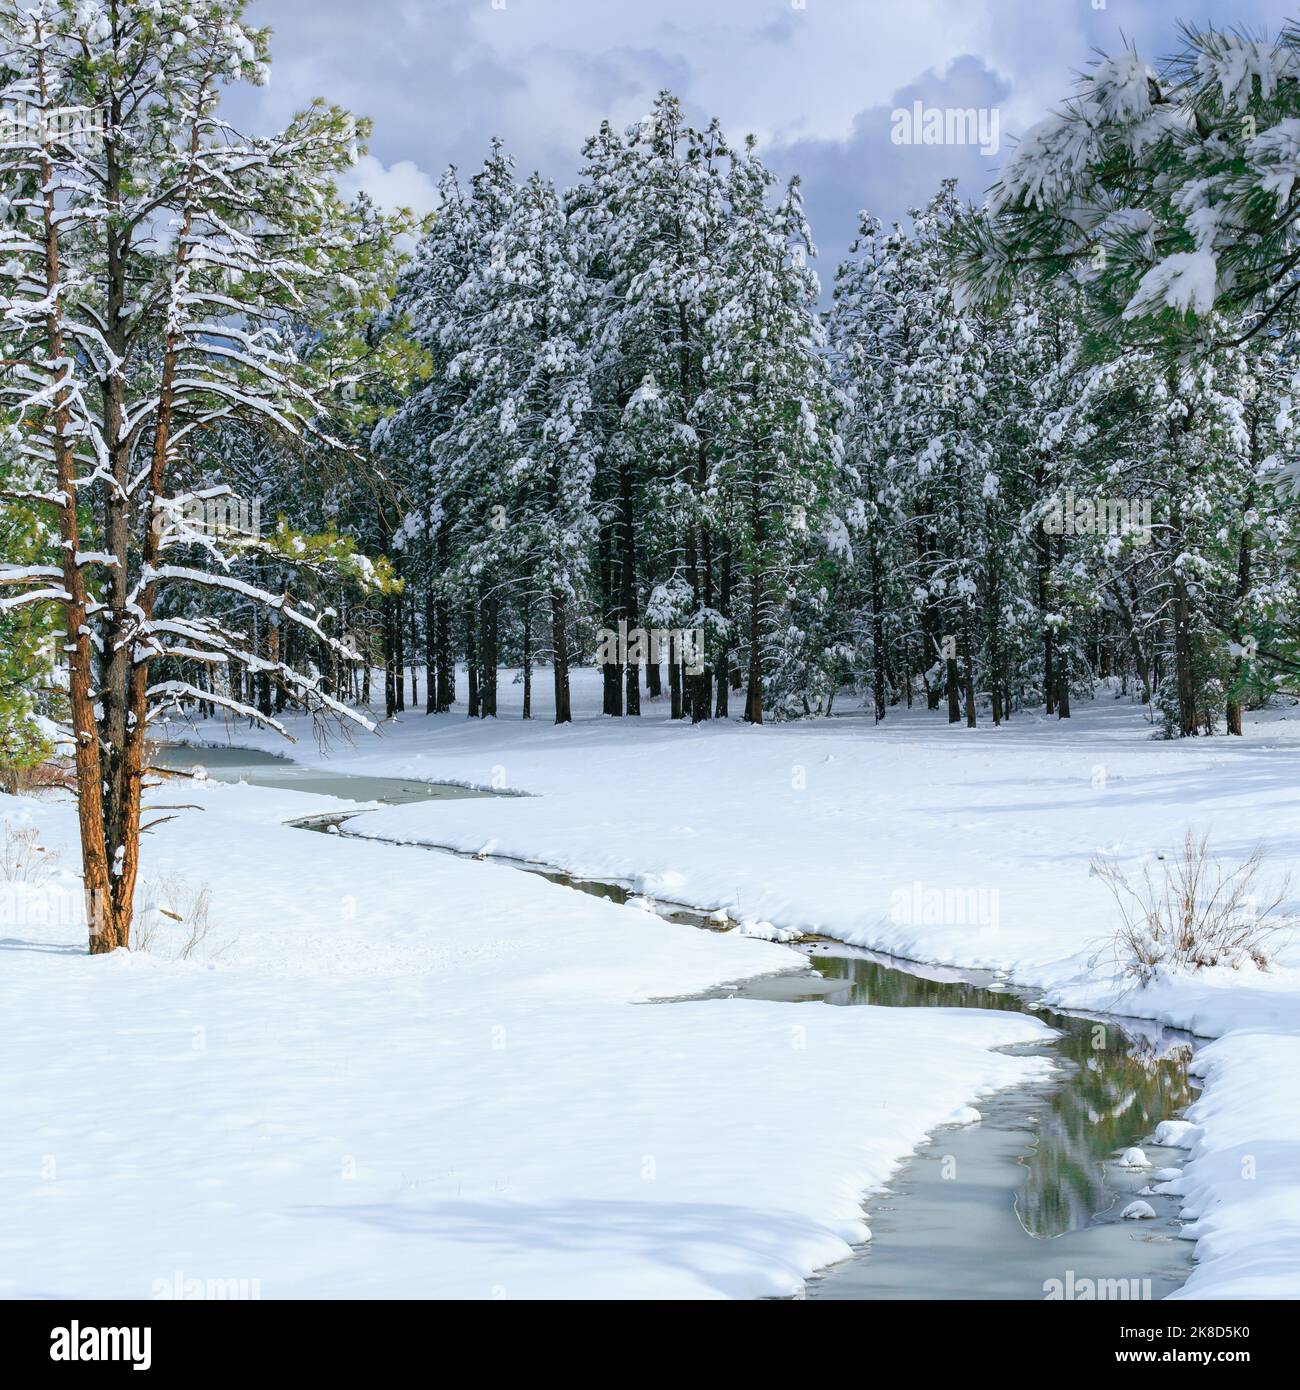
[(1024, 1204)]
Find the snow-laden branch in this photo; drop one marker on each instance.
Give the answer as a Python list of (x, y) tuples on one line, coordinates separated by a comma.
[(34, 596), (278, 603), (181, 693)]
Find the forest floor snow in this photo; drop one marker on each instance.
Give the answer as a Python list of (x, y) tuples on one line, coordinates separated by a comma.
[(390, 1077)]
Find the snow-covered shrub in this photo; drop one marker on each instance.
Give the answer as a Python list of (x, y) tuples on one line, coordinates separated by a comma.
[(1190, 911)]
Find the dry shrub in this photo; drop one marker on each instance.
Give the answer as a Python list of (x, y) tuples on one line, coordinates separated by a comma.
[(171, 918), (23, 859), (1190, 912), (37, 778)]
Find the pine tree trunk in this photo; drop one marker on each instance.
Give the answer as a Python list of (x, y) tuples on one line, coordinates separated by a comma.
[(1063, 686), (275, 635), (560, 659), (431, 654), (754, 688), (490, 608), (722, 703), (722, 666), (413, 634), (702, 696), (968, 674), (390, 684), (1043, 548), (627, 566), (1141, 663), (446, 658), (399, 644), (528, 658), (471, 658), (107, 929), (263, 679), (1233, 712), (878, 674), (758, 534), (1183, 674), (610, 671)]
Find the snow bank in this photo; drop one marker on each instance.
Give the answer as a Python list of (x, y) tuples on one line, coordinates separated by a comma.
[(1241, 1188)]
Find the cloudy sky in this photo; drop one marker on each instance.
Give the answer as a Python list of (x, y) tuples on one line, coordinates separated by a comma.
[(815, 80)]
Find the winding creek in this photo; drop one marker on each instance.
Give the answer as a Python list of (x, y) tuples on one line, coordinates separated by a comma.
[(997, 1209)]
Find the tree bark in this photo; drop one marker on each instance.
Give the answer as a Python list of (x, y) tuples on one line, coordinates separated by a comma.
[(754, 688), (446, 648), (627, 566), (560, 658), (878, 674), (471, 658), (489, 605), (390, 680), (611, 671), (528, 657), (968, 673), (430, 649), (1233, 712)]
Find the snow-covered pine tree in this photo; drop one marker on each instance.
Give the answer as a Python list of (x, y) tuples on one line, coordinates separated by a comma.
[(775, 447), (653, 207), (524, 428), (934, 371), (1166, 194), (412, 433), (1170, 445), (149, 258), (1037, 593), (1257, 608), (440, 431), (868, 586)]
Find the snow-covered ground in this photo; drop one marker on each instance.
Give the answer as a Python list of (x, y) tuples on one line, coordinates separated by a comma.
[(388, 1073)]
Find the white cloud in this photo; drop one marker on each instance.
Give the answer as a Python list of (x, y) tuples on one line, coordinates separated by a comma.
[(814, 80), (400, 185)]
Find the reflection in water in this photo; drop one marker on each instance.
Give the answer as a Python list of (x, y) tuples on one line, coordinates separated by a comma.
[(1119, 1082)]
